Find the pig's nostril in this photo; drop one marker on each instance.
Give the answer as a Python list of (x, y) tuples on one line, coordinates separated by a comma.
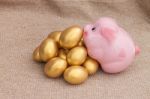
[(85, 33)]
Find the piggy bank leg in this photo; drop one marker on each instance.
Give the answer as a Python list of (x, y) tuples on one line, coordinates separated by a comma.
[(113, 67)]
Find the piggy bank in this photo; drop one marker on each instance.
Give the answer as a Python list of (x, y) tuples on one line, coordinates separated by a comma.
[(110, 45)]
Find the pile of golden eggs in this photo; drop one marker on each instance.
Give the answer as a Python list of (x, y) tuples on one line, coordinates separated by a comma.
[(65, 54)]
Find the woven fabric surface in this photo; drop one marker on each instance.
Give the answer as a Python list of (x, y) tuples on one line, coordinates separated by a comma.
[(25, 23)]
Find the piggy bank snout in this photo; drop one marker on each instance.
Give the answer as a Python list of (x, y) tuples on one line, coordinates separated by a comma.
[(85, 34), (87, 28)]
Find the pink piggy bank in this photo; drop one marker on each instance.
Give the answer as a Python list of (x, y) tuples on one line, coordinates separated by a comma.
[(110, 45)]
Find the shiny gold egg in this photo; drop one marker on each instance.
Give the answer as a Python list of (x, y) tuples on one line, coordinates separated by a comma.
[(91, 65), (55, 67), (75, 74), (55, 36), (81, 43), (70, 37), (36, 55), (63, 53), (76, 56), (48, 49)]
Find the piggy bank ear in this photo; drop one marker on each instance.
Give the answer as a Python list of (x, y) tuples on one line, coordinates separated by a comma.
[(108, 33)]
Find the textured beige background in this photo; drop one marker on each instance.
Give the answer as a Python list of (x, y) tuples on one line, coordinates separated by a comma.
[(25, 23)]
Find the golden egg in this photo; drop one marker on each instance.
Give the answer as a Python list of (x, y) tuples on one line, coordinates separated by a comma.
[(75, 74), (91, 65), (55, 36), (81, 43), (63, 53), (48, 49), (70, 37), (36, 55), (76, 56), (55, 67)]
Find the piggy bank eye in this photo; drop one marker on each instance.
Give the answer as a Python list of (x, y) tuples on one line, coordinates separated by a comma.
[(93, 29)]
